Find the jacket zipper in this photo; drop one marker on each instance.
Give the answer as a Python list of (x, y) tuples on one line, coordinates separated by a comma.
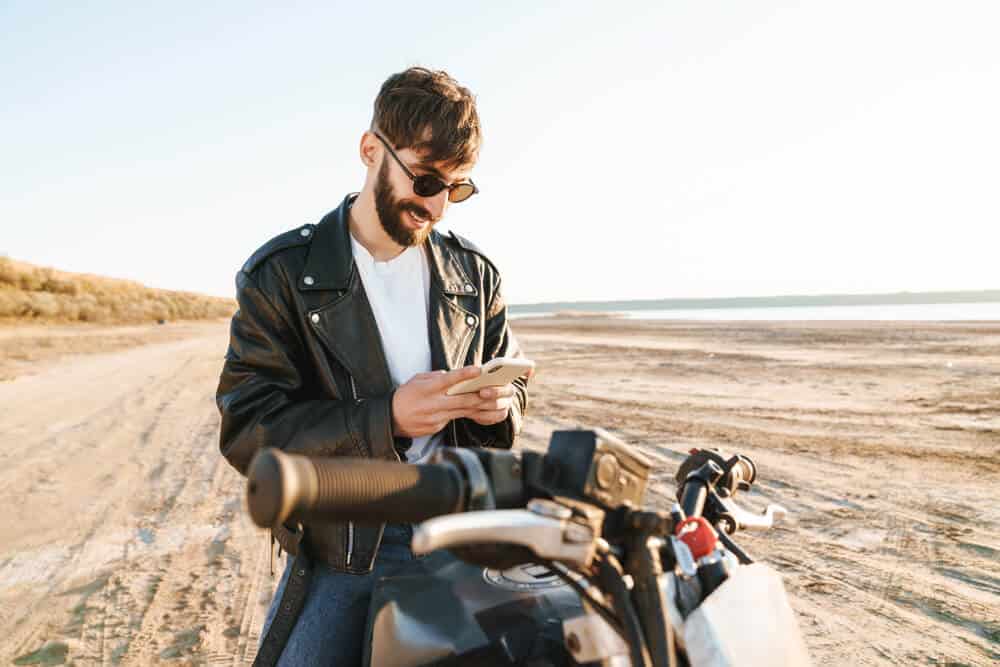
[(350, 524)]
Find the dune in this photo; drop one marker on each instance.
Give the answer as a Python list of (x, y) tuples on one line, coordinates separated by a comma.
[(30, 293)]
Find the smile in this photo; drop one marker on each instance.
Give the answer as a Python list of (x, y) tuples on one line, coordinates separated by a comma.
[(418, 218)]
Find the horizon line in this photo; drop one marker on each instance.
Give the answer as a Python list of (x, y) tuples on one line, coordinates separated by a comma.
[(860, 298)]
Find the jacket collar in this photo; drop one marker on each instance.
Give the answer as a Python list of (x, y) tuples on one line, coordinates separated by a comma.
[(330, 262), (328, 265)]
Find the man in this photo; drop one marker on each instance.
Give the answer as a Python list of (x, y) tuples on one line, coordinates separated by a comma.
[(349, 333)]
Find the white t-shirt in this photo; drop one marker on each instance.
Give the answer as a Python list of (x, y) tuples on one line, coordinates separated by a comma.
[(398, 291)]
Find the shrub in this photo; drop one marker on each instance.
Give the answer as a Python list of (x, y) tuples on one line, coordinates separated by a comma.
[(14, 303), (8, 274), (42, 293), (44, 305), (58, 285)]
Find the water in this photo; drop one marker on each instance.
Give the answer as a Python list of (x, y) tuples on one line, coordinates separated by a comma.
[(906, 312)]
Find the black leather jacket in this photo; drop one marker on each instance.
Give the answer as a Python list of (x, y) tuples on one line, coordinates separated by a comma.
[(306, 372)]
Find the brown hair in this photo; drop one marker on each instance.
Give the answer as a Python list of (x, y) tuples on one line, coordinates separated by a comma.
[(417, 100)]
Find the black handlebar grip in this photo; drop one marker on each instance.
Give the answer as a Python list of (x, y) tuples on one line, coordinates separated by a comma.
[(693, 496), (281, 485)]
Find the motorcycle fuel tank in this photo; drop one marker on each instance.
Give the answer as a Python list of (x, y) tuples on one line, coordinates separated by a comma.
[(444, 607)]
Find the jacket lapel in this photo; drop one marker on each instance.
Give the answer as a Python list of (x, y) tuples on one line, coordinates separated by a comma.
[(346, 325), (451, 328)]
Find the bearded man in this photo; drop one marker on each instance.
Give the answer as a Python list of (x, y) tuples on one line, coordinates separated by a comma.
[(348, 335)]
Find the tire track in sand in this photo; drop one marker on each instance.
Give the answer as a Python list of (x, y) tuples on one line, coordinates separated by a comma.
[(137, 549)]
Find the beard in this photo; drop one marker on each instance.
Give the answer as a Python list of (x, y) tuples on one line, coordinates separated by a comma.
[(390, 209)]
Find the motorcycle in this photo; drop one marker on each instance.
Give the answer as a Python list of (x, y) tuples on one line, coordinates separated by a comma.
[(551, 559)]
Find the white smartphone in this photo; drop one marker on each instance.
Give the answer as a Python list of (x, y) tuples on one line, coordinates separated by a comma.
[(495, 373)]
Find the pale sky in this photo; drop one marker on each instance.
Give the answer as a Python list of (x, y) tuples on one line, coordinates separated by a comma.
[(631, 149)]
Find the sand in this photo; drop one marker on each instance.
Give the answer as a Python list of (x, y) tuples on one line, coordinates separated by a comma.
[(124, 538)]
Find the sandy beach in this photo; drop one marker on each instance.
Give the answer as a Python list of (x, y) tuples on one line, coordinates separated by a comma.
[(124, 538)]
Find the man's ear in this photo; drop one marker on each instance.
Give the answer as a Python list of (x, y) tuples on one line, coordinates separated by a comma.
[(369, 149)]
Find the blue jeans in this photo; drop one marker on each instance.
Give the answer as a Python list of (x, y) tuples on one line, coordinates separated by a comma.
[(330, 631)]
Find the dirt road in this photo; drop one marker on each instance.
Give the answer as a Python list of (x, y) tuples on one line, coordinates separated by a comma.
[(123, 538)]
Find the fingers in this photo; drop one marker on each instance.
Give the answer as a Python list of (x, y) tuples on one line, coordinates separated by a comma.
[(474, 402), (497, 392), (428, 408), (498, 408), (421, 406), (442, 380), (466, 405), (478, 405), (465, 402), (492, 405)]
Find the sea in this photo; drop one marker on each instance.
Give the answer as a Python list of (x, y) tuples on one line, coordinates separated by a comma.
[(913, 312)]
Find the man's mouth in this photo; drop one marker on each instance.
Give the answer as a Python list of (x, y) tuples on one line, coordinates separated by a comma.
[(419, 219)]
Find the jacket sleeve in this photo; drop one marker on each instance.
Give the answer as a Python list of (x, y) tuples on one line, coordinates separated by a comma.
[(499, 341), (261, 394)]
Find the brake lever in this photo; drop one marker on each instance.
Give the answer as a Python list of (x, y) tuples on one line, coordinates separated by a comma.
[(549, 537), (748, 520)]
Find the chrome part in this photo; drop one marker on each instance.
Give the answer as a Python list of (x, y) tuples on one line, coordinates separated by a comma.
[(354, 390), (549, 508), (526, 577), (350, 524), (350, 542), (752, 521), (540, 534), (685, 560)]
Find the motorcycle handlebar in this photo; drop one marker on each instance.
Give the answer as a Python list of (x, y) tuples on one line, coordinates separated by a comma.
[(693, 497), (281, 485), (705, 470)]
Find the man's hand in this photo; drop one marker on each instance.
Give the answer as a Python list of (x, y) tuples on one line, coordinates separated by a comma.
[(494, 406), (421, 406), (497, 402)]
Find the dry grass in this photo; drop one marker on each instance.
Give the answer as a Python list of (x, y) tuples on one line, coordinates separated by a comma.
[(37, 294)]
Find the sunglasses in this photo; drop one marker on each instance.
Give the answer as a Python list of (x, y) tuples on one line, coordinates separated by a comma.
[(428, 185)]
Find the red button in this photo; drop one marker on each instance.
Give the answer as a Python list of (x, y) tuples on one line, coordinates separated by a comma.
[(697, 533)]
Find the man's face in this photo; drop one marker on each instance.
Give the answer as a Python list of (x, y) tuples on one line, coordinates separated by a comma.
[(405, 216)]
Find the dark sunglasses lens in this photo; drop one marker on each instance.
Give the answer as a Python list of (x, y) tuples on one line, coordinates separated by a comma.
[(427, 185), (461, 192)]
